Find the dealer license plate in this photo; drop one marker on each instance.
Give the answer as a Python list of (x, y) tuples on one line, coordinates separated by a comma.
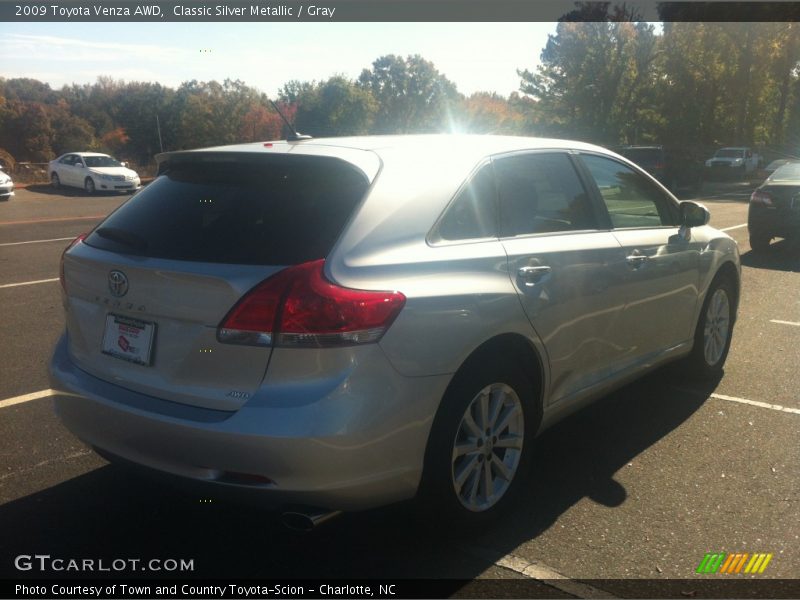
[(129, 339)]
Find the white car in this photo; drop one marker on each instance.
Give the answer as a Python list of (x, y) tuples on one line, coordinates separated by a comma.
[(93, 172), (6, 186)]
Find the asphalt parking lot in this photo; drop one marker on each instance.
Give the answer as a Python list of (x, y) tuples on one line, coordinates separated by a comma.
[(640, 486)]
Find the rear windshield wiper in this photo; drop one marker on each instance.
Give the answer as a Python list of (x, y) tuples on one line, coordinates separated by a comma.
[(123, 237)]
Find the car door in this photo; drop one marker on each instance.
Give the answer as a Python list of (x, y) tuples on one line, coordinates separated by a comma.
[(64, 169), (79, 171), (660, 276), (562, 261)]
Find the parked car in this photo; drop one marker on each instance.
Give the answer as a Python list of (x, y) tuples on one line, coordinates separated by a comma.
[(345, 323), (775, 207), (6, 186), (765, 172), (734, 162), (674, 169), (92, 172)]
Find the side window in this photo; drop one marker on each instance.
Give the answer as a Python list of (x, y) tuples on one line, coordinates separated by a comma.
[(472, 215), (631, 200), (541, 193), (68, 159)]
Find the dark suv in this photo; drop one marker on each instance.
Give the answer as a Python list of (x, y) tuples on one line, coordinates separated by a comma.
[(672, 169)]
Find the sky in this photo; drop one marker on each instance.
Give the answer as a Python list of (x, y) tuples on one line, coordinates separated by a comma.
[(475, 56)]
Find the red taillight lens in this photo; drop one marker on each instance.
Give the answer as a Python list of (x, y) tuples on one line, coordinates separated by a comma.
[(74, 242), (299, 307), (760, 197)]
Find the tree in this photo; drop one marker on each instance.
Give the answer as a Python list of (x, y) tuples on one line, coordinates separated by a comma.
[(334, 107), (412, 95), (593, 79)]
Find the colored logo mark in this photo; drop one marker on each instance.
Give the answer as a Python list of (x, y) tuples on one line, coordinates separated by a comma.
[(739, 562)]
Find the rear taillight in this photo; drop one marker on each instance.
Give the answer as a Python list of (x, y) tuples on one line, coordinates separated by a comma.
[(299, 307), (74, 242), (761, 197)]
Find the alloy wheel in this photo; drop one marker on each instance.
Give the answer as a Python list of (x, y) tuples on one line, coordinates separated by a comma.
[(487, 447), (717, 326)]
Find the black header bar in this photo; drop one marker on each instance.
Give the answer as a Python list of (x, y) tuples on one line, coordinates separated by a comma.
[(390, 10)]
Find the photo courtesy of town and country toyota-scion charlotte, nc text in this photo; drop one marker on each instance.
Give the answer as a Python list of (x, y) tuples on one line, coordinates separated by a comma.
[(225, 11), (199, 590)]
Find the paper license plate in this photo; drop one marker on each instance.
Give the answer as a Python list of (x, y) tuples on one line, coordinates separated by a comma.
[(129, 339)]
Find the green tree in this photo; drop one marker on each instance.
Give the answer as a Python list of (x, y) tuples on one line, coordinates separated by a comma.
[(334, 107), (412, 95), (593, 80)]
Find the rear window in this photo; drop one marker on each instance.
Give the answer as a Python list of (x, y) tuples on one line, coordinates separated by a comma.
[(788, 172), (282, 210)]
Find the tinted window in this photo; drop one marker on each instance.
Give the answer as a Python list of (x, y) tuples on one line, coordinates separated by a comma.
[(631, 200), (280, 211), (472, 213), (541, 193)]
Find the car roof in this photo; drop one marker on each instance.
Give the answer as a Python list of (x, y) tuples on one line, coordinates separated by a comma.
[(385, 145)]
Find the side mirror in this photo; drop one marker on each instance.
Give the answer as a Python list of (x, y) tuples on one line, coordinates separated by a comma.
[(694, 214), (81, 165), (124, 164)]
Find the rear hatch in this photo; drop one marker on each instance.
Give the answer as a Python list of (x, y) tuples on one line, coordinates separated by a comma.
[(785, 197), (147, 289)]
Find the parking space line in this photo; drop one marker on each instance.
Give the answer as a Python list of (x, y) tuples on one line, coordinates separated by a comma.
[(93, 217), (37, 241), (26, 398), (776, 407), (734, 227), (540, 572), (10, 285), (784, 322)]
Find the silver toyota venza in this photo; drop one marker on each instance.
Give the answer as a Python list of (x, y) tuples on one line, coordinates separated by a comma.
[(345, 323)]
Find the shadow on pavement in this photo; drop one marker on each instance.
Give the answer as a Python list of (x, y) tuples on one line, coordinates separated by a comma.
[(109, 513), (782, 255), (47, 189)]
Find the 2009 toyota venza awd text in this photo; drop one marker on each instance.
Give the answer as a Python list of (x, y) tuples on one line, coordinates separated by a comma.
[(345, 323)]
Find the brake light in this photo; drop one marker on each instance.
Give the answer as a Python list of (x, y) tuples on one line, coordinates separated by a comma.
[(298, 307), (74, 242), (761, 197)]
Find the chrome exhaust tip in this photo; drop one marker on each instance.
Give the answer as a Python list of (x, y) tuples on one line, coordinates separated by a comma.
[(305, 520)]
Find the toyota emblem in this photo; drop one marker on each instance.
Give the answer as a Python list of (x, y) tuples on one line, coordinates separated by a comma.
[(117, 283)]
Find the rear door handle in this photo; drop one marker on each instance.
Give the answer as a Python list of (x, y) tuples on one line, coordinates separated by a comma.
[(532, 275)]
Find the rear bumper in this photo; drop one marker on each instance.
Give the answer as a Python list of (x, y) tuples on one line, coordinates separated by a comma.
[(355, 447), (779, 222)]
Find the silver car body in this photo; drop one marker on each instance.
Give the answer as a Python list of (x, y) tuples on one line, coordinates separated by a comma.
[(347, 427)]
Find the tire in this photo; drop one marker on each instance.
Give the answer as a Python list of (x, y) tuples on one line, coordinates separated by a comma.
[(89, 186), (54, 180), (759, 241), (454, 487), (712, 338)]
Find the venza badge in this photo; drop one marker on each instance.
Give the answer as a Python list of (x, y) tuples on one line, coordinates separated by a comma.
[(117, 283)]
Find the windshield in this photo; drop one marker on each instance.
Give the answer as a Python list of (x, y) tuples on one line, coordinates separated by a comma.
[(101, 161), (730, 153), (788, 172)]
